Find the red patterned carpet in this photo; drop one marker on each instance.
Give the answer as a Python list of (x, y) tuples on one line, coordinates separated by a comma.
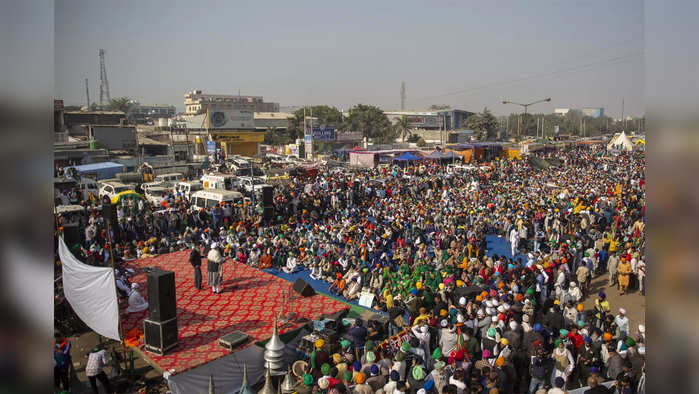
[(248, 303)]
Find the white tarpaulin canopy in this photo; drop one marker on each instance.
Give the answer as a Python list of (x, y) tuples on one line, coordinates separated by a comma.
[(621, 142), (91, 292)]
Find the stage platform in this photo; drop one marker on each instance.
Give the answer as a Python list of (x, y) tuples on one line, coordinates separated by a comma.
[(249, 300)]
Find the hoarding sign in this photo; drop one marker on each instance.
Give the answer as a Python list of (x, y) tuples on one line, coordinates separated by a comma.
[(230, 119), (210, 147), (324, 133), (349, 136), (309, 150)]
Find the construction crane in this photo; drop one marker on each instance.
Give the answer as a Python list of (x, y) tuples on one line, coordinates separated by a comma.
[(104, 84)]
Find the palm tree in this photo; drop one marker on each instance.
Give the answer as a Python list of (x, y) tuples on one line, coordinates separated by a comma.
[(402, 126)]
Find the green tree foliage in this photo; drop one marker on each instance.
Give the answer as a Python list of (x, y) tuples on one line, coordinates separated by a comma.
[(413, 138), (326, 115), (372, 122), (277, 137), (485, 125), (401, 125), (569, 124), (421, 142), (122, 104)]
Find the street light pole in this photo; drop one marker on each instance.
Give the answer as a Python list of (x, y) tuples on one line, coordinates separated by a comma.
[(526, 106), (252, 182)]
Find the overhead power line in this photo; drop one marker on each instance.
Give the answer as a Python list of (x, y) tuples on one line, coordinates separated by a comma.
[(573, 69)]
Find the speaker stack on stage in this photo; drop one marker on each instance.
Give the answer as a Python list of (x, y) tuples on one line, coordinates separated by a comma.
[(109, 213), (160, 328), (71, 234), (267, 202)]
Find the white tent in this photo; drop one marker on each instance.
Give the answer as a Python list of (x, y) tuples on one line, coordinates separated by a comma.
[(620, 142)]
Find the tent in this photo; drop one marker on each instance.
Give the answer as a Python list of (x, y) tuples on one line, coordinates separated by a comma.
[(437, 155), (126, 194), (620, 142), (99, 170), (405, 157)]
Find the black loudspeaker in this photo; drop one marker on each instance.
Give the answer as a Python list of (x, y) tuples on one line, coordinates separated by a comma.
[(268, 213), (71, 234), (160, 337), (233, 340), (109, 213), (303, 288), (161, 295), (267, 196)]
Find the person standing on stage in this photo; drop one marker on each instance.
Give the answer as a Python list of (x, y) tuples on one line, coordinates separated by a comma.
[(195, 260), (215, 267)]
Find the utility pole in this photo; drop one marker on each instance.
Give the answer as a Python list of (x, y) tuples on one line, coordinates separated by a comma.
[(402, 96), (548, 99), (623, 119), (87, 94), (543, 119)]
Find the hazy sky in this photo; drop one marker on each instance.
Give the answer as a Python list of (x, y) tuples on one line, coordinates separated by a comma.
[(468, 54)]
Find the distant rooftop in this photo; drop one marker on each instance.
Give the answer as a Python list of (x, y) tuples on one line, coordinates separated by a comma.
[(96, 112)]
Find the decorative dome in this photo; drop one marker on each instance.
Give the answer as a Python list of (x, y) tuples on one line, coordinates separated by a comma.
[(268, 388), (287, 385), (212, 388), (274, 353), (245, 388)]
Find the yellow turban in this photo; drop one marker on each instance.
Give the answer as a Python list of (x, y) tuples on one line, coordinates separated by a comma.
[(319, 343)]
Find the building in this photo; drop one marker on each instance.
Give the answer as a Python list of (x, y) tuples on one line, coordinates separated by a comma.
[(148, 113), (454, 119), (233, 131), (417, 119), (76, 122), (274, 120), (451, 119), (593, 112), (197, 103), (561, 111)]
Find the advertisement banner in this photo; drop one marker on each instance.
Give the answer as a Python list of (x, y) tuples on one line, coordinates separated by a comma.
[(349, 136), (210, 147), (393, 344), (309, 150), (230, 119), (323, 133)]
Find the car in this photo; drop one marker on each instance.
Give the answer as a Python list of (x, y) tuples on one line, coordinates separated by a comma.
[(154, 194), (209, 198), (219, 181), (111, 189), (187, 188), (170, 179)]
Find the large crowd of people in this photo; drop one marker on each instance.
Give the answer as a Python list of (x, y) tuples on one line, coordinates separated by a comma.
[(419, 239)]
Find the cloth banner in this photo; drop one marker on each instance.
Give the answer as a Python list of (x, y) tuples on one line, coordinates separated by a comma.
[(91, 292)]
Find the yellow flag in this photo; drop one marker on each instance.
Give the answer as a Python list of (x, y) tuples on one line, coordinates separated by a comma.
[(618, 189)]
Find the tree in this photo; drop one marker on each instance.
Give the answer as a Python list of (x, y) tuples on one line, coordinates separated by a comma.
[(326, 115), (485, 125), (122, 104), (421, 142), (277, 137), (402, 126), (438, 107), (413, 138), (372, 122)]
